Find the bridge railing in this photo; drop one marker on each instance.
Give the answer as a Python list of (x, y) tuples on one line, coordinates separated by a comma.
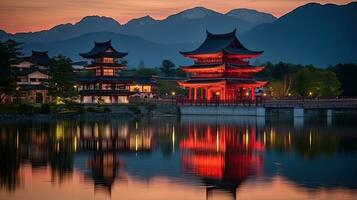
[(310, 103), (217, 102), (268, 103)]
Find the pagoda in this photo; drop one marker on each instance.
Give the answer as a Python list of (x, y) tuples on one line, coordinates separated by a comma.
[(104, 85), (221, 70)]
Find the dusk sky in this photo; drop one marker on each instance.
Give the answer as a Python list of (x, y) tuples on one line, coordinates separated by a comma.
[(34, 15)]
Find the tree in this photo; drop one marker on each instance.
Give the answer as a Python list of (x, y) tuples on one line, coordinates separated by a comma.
[(141, 65), (167, 87), (346, 73), (168, 68), (145, 72), (180, 73), (276, 88), (62, 83), (318, 83), (9, 53)]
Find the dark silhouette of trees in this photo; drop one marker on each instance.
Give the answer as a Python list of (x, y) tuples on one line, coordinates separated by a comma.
[(62, 82), (9, 53), (168, 68), (347, 74)]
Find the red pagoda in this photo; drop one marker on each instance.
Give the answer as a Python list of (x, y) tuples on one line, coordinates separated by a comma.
[(221, 70), (105, 85)]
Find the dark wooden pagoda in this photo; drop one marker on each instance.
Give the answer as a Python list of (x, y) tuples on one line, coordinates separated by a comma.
[(105, 85), (221, 70)]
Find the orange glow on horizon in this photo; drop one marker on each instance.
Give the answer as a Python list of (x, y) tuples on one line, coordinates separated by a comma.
[(24, 16)]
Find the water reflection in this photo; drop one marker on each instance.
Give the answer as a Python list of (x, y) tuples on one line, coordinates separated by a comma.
[(202, 157)]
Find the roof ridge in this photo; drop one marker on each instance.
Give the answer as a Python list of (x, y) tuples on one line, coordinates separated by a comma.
[(214, 35)]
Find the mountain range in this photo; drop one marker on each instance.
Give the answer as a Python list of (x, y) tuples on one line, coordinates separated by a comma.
[(311, 34), (315, 34)]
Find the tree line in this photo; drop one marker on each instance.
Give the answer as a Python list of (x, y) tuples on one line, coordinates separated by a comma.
[(286, 79)]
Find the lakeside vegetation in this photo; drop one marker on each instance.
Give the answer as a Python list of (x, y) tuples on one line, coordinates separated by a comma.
[(286, 79)]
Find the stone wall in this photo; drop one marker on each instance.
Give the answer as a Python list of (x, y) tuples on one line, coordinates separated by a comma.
[(222, 110)]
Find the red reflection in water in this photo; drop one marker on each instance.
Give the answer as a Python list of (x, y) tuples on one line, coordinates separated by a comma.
[(223, 152)]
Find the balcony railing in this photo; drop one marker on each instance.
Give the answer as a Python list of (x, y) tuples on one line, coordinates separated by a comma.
[(229, 102)]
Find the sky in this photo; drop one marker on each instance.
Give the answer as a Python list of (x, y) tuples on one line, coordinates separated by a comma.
[(35, 15)]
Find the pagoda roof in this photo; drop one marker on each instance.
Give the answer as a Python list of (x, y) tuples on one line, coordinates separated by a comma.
[(105, 92), (144, 80), (202, 66), (210, 81), (29, 87), (38, 58), (110, 65), (103, 49), (11, 42), (31, 70), (222, 66), (216, 43), (105, 79)]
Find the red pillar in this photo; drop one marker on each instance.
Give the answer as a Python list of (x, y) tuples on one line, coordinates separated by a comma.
[(223, 93), (195, 93), (252, 94), (189, 93), (241, 94), (208, 94)]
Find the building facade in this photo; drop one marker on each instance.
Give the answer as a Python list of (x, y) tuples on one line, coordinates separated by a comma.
[(32, 79), (221, 70), (103, 84)]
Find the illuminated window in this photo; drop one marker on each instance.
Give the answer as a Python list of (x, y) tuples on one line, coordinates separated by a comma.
[(108, 72), (120, 87), (98, 72), (107, 86), (108, 60)]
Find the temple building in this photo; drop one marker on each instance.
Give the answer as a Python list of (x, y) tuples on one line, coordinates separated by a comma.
[(221, 70), (39, 59), (32, 78), (104, 85), (32, 86), (143, 86)]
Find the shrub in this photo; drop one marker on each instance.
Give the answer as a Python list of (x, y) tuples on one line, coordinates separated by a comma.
[(25, 109), (45, 109)]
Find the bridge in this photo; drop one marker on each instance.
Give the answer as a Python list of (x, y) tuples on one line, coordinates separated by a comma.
[(256, 107), (310, 103)]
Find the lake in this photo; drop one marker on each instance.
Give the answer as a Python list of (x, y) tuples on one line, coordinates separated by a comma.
[(179, 158)]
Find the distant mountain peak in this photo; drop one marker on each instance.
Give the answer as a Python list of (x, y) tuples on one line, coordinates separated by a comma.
[(97, 19), (195, 13), (251, 15), (146, 20)]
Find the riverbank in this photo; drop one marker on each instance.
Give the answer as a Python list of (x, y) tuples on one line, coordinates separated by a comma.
[(79, 111)]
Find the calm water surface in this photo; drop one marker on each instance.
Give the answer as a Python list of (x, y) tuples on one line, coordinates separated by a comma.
[(187, 158)]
